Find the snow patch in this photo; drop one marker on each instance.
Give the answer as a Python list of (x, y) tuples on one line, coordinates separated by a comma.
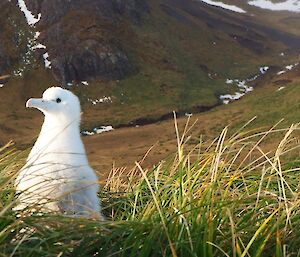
[(18, 73), (288, 5), (38, 46), (37, 34), (100, 130), (288, 68), (264, 69), (103, 129), (229, 81), (31, 19), (228, 97), (243, 88), (87, 133), (46, 60), (224, 6), (104, 99), (84, 83), (281, 72), (279, 89)]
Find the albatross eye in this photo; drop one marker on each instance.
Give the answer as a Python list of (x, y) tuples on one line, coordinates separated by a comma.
[(58, 100)]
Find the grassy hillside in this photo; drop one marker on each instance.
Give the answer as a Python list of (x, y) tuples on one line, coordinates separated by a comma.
[(183, 53), (182, 63), (124, 146)]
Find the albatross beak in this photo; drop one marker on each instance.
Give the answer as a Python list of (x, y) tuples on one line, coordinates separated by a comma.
[(35, 103)]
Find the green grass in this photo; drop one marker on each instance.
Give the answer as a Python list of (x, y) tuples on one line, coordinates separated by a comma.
[(269, 105), (176, 65), (177, 68), (223, 198)]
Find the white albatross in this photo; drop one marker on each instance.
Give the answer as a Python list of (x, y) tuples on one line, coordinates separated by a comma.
[(57, 176)]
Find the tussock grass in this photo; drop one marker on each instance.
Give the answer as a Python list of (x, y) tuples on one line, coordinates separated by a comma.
[(224, 198)]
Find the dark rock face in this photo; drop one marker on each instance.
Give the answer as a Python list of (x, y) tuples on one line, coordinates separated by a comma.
[(4, 60), (96, 61), (84, 37), (12, 35)]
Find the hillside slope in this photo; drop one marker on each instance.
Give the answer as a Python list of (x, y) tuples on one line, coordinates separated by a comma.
[(278, 100), (133, 62)]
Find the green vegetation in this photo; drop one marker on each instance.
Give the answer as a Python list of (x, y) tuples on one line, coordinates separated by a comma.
[(267, 104), (181, 55), (181, 63), (225, 198)]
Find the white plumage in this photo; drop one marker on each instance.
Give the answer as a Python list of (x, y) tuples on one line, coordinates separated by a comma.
[(57, 176)]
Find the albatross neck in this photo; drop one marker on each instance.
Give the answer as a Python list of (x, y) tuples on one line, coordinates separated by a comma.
[(66, 133)]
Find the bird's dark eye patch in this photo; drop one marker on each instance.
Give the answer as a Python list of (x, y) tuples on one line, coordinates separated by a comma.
[(58, 100)]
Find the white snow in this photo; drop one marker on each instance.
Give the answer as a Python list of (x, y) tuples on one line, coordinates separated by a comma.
[(281, 72), (224, 6), (46, 60), (1, 85), (235, 96), (100, 130), (288, 68), (253, 78), (288, 5), (87, 133), (18, 73), (38, 46), (229, 81), (104, 99), (243, 88), (31, 19), (279, 89), (37, 34), (264, 69), (103, 129), (85, 83)]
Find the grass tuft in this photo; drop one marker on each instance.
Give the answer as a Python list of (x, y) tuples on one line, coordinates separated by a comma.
[(228, 197)]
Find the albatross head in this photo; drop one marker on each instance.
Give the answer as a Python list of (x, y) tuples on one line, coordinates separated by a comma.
[(57, 103)]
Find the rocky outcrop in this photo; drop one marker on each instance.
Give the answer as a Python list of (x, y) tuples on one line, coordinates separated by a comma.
[(91, 59), (84, 37), (13, 42)]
